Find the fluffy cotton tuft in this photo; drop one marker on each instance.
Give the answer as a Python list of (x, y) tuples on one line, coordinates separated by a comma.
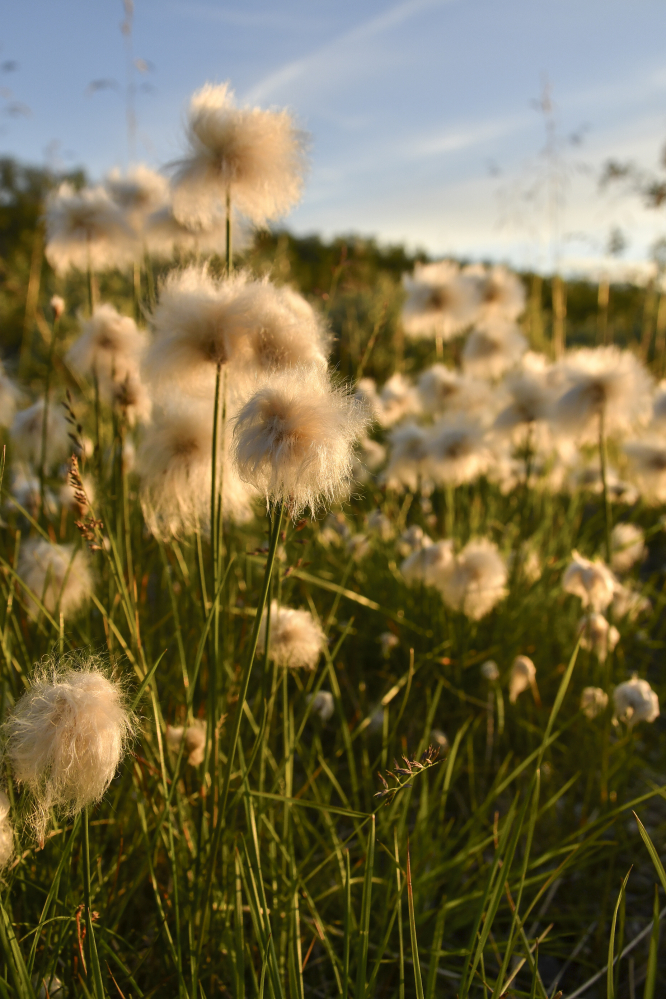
[(443, 390), (138, 192), (523, 676), (255, 157), (322, 704), (628, 602), (428, 565), (627, 546), (597, 635), (195, 740), (110, 346), (58, 576), (409, 457), (635, 701), (608, 381), (26, 434), (457, 451), (593, 702), (86, 229), (66, 736), (501, 294), (476, 581), (647, 458), (593, 582), (294, 439), (441, 301), (490, 671), (296, 639), (492, 348)]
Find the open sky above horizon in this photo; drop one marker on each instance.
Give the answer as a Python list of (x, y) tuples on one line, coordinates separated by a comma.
[(424, 114)]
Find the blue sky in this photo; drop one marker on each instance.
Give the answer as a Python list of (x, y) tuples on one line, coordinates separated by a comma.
[(422, 112)]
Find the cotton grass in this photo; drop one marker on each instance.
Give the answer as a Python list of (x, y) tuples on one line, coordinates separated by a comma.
[(296, 639), (57, 576), (635, 701), (86, 230), (476, 581)]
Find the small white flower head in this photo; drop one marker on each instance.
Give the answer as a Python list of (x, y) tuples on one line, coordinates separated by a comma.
[(628, 602), (175, 471), (593, 702), (429, 565), (593, 582), (11, 397), (294, 440), (492, 348), (322, 704), (110, 346), (490, 671), (86, 229), (197, 322), (445, 391), (501, 294), (256, 157), (296, 639), (412, 539), (26, 434), (408, 457), (597, 635), (457, 451), (530, 394), (378, 523), (66, 736), (397, 399), (476, 581), (57, 303), (388, 641), (195, 740), (138, 192), (635, 701), (441, 301), (608, 381), (523, 677), (628, 546), (647, 459), (438, 738), (6, 831), (57, 575)]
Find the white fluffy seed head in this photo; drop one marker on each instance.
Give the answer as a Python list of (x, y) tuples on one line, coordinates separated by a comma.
[(66, 736), (635, 701), (457, 451), (492, 348), (647, 458), (441, 301), (628, 602), (443, 390), (409, 457), (294, 440), (593, 582), (138, 192), (523, 676), (412, 539), (110, 346), (476, 581), (627, 546), (490, 671), (296, 639), (597, 635), (163, 235), (501, 293), (603, 381), (86, 229), (322, 704), (195, 740), (428, 565), (593, 702), (26, 434), (398, 398), (57, 575), (255, 157)]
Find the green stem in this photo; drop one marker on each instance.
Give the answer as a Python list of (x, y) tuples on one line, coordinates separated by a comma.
[(92, 948), (45, 417)]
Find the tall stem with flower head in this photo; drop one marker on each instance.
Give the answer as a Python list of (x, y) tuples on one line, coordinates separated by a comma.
[(45, 416), (603, 459)]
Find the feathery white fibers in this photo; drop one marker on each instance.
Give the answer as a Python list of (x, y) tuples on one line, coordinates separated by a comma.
[(593, 582), (531, 396), (132, 397), (65, 737), (490, 671), (501, 293), (604, 380), (86, 229), (647, 458), (10, 398), (322, 704), (441, 301), (197, 323), (628, 602), (412, 539), (57, 575), (428, 565), (175, 472), (296, 639), (523, 676), (279, 329), (110, 346), (163, 235), (457, 450), (443, 390), (26, 490), (492, 348), (627, 546), (593, 702), (257, 157), (398, 398), (476, 581), (57, 303), (294, 439), (597, 635), (26, 434), (635, 701), (138, 192), (408, 458), (195, 740), (367, 394), (6, 831)]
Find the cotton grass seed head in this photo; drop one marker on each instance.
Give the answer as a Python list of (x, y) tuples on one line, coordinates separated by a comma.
[(322, 704), (441, 301), (429, 565), (409, 457), (256, 157), (592, 581), (635, 701), (476, 581), (597, 635), (194, 736), (26, 434), (647, 459), (523, 677), (109, 348), (66, 736), (163, 235), (296, 639), (457, 450), (627, 546), (57, 575), (294, 440), (138, 192), (443, 390), (85, 229), (500, 292), (492, 348), (604, 381), (490, 671), (593, 702)]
